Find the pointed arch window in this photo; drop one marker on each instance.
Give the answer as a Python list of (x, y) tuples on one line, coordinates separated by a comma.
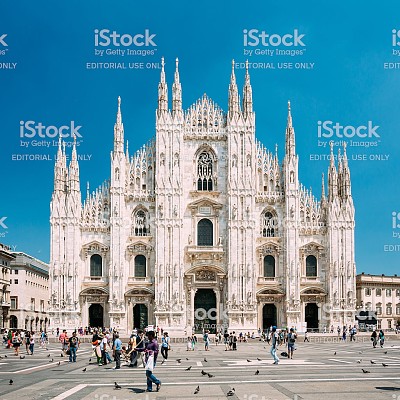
[(205, 232), (140, 224), (205, 172), (269, 225), (311, 266), (269, 266), (96, 265), (140, 266)]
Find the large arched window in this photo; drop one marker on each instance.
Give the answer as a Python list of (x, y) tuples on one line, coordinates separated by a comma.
[(96, 265), (205, 232), (204, 171), (140, 266), (269, 225), (269, 266), (140, 224), (311, 266)]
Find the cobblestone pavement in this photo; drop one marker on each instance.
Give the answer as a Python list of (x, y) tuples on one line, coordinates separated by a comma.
[(315, 372)]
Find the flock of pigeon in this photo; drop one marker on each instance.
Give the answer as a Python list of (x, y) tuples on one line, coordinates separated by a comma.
[(231, 392)]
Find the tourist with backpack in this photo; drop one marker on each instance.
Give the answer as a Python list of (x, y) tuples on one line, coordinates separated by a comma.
[(234, 341), (291, 340)]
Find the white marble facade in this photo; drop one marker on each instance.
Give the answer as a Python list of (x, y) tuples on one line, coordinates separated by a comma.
[(203, 216)]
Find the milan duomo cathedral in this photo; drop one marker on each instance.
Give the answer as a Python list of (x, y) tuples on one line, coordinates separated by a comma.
[(202, 228)]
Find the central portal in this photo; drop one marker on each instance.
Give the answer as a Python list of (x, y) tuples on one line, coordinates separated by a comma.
[(205, 311), (140, 316), (96, 313), (311, 317)]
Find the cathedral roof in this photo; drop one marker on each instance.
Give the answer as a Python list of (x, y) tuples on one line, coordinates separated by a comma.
[(205, 113)]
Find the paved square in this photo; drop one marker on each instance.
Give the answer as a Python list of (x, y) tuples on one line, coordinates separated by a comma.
[(316, 372)]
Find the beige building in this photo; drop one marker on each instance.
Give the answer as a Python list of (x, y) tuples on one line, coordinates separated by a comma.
[(5, 259), (29, 281), (380, 294)]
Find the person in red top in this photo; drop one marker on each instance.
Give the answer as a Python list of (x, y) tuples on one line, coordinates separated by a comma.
[(63, 338)]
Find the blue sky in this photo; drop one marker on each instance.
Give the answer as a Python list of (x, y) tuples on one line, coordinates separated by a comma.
[(346, 82)]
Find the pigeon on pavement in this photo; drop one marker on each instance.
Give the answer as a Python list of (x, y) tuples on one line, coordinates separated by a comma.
[(365, 371), (11, 382), (188, 368), (197, 390), (231, 392), (257, 372), (116, 386)]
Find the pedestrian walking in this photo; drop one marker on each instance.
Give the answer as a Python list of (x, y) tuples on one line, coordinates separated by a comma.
[(206, 338), (31, 342), (291, 340), (306, 339), (226, 340), (131, 350), (117, 347), (165, 345), (141, 341), (274, 345), (151, 353), (63, 339), (381, 338), (234, 341), (189, 344), (16, 343), (96, 346), (104, 348), (374, 338), (194, 341)]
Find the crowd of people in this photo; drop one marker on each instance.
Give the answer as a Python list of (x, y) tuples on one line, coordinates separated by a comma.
[(142, 348), (15, 338)]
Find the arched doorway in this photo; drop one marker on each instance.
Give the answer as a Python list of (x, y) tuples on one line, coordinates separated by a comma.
[(96, 316), (269, 316), (13, 322), (205, 311), (140, 316), (311, 316)]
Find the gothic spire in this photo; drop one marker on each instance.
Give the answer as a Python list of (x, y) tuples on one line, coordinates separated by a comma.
[(323, 189), (176, 91), (332, 176), (346, 183), (290, 139), (247, 92), (127, 151), (119, 130), (233, 98), (60, 168), (162, 90)]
